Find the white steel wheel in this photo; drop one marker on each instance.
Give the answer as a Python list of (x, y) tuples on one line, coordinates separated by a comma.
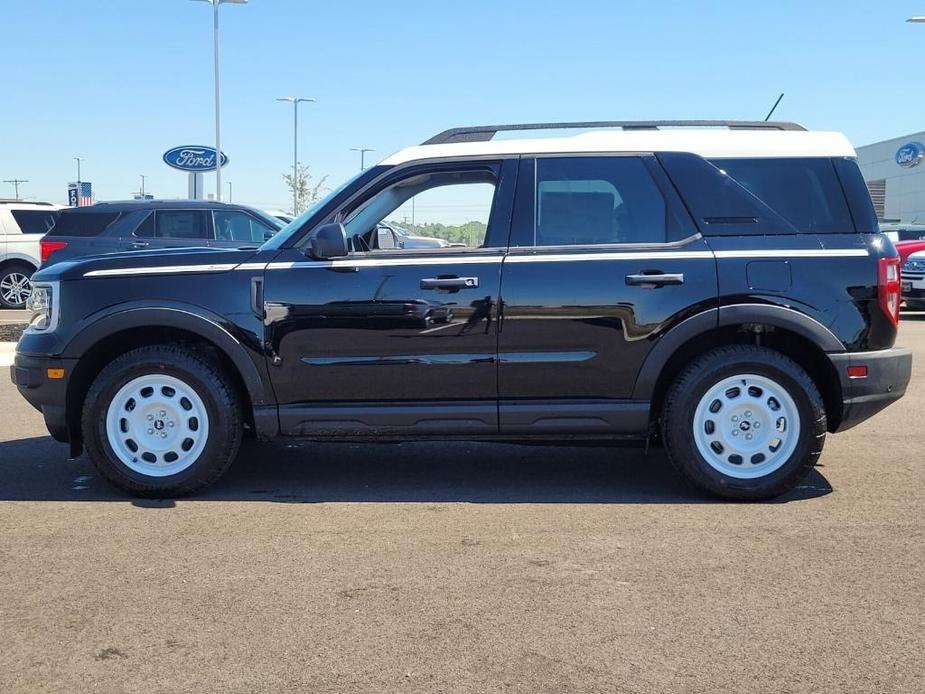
[(15, 288), (157, 425), (746, 426)]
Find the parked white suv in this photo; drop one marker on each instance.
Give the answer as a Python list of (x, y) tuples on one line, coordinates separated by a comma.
[(22, 225)]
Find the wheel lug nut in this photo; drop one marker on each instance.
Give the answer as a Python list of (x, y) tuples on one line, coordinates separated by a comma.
[(748, 436), (163, 414), (150, 417), (164, 435), (735, 418), (170, 424), (735, 432), (757, 425), (748, 413), (150, 431)]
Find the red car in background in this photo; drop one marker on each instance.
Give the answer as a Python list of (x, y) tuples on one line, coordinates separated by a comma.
[(907, 248), (908, 238)]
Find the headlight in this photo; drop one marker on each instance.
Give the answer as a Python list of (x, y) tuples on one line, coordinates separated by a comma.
[(43, 305)]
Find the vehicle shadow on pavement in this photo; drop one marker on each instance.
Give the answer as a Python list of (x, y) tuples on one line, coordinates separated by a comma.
[(36, 469)]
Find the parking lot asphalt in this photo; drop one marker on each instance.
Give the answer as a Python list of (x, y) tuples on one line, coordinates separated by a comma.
[(461, 567)]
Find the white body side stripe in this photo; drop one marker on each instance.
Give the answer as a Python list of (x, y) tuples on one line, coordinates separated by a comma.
[(487, 260), (161, 270)]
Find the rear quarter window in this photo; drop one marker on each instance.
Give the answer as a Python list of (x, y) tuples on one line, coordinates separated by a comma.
[(84, 223), (34, 221), (804, 191)]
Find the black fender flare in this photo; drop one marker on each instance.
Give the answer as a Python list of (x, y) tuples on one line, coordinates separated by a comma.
[(193, 319), (735, 314)]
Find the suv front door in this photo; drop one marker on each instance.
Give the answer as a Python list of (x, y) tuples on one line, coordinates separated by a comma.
[(603, 260), (392, 340)]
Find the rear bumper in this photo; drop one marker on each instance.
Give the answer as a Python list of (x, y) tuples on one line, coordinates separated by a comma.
[(888, 375), (49, 396)]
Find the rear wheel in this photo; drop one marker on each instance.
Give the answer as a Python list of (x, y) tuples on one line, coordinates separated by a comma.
[(744, 422), (15, 285), (162, 421)]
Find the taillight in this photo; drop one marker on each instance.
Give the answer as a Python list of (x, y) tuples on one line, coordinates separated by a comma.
[(888, 288), (49, 247)]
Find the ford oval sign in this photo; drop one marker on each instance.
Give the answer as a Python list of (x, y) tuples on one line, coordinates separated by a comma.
[(910, 154), (192, 158)]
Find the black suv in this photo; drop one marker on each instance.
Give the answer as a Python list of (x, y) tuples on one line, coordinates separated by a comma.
[(721, 287), (110, 227)]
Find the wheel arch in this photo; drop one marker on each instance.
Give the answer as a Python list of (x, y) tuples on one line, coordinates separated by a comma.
[(790, 332), (18, 259), (120, 331)]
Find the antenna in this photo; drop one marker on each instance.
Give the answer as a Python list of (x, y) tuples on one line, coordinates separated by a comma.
[(774, 107)]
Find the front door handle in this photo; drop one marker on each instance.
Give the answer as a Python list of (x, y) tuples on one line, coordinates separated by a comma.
[(450, 283), (140, 244), (655, 279)]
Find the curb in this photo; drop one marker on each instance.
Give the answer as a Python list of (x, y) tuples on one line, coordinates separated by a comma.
[(7, 352)]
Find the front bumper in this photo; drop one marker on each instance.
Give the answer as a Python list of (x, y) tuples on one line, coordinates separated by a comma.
[(888, 375), (48, 395)]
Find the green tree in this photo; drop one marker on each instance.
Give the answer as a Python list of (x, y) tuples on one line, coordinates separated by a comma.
[(306, 191)]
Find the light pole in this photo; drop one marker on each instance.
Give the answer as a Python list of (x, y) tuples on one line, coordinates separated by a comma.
[(218, 139), (362, 151), (78, 160), (143, 177), (16, 182), (295, 101), (229, 191)]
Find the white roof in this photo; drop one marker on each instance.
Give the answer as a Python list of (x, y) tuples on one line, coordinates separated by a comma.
[(709, 143)]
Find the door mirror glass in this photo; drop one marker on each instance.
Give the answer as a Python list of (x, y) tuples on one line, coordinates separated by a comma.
[(328, 241)]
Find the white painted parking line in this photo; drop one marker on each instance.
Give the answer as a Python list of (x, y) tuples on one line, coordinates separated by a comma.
[(7, 351)]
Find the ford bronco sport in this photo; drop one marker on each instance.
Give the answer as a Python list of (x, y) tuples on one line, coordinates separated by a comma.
[(720, 286)]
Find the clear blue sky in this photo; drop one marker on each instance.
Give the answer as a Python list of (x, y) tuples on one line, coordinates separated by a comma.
[(120, 82)]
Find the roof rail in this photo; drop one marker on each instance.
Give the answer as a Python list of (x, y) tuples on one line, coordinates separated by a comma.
[(27, 202), (483, 133)]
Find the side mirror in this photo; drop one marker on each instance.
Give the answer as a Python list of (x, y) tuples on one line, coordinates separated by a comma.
[(328, 241)]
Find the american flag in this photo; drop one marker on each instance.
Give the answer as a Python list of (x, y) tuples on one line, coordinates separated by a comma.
[(84, 194)]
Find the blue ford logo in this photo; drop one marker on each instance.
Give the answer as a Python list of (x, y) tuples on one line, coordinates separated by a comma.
[(910, 154), (194, 158)]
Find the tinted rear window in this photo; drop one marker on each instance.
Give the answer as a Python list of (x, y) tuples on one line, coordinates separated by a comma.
[(84, 223), (805, 192), (34, 221)]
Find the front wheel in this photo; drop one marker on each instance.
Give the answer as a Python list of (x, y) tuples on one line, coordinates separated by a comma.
[(744, 422), (162, 421)]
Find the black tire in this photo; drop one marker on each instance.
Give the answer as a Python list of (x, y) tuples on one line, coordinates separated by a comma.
[(706, 371), (208, 382), (9, 271)]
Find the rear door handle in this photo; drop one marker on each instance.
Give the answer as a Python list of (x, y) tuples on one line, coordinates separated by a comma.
[(655, 279), (140, 244), (450, 283)]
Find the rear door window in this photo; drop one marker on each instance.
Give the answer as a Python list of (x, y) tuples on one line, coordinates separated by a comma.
[(804, 191), (597, 200), (182, 224), (34, 221)]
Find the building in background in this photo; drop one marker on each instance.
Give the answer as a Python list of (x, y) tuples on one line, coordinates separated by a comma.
[(895, 174)]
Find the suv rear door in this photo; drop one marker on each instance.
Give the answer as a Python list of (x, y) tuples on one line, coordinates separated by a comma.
[(174, 228), (603, 260)]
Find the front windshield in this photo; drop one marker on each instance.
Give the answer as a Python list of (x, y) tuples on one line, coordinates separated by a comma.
[(289, 229)]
